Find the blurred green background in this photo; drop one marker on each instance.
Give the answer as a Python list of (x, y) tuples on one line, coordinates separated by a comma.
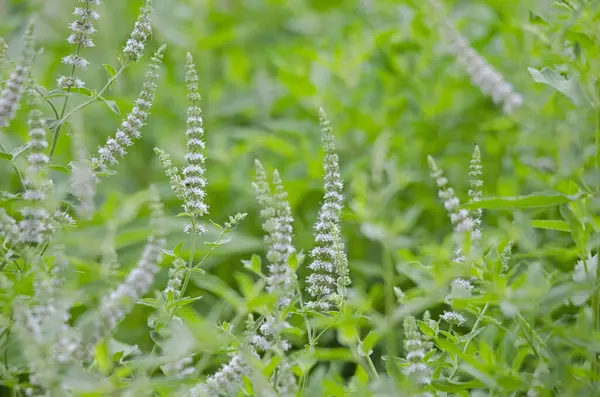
[(392, 93)]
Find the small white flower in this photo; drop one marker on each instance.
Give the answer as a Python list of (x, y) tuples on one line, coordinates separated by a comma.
[(453, 318), (10, 96), (321, 284), (134, 47), (109, 154)]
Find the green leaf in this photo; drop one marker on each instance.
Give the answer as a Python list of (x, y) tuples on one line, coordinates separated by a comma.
[(6, 156), (110, 69), (151, 302), (454, 387), (425, 328), (568, 86), (370, 341), (82, 91), (60, 168), (103, 358), (19, 150), (535, 200), (551, 225), (254, 264), (183, 302), (112, 105)]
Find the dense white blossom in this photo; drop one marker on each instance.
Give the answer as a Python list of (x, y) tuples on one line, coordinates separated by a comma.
[(417, 368), (129, 131), (10, 96), (82, 30), (277, 224), (193, 174), (134, 48), (453, 318), (37, 223), (321, 283)]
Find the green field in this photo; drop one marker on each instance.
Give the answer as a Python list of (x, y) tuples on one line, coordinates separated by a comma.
[(489, 287)]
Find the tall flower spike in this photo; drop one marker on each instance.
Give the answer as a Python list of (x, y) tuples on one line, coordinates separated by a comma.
[(82, 30), (36, 223), (483, 75), (193, 173), (9, 229), (134, 48), (460, 218), (475, 171), (277, 224), (341, 265), (321, 282), (3, 51), (115, 306), (417, 369), (14, 87), (109, 154)]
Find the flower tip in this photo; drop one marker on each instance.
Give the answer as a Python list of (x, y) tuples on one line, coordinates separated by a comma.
[(322, 114), (431, 162), (276, 177), (188, 58), (161, 50)]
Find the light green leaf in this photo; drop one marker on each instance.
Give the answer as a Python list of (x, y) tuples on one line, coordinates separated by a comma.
[(112, 105), (568, 86), (535, 200), (551, 225)]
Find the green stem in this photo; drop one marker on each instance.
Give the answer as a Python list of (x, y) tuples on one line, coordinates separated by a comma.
[(95, 97), (188, 274), (66, 101), (479, 318), (596, 316), (389, 309)]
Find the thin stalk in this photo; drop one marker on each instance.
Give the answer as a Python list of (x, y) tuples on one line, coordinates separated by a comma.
[(190, 266), (392, 348), (479, 318), (596, 316), (65, 116), (66, 101)]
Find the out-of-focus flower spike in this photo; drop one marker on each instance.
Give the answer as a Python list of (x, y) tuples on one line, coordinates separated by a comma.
[(10, 96), (483, 75), (129, 131), (115, 306), (417, 368), (37, 223)]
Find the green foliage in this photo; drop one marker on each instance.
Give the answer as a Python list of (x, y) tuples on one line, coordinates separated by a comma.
[(394, 95)]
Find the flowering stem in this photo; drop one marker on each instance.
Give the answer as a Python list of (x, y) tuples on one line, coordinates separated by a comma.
[(479, 318), (64, 117), (188, 274), (388, 268), (66, 101)]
